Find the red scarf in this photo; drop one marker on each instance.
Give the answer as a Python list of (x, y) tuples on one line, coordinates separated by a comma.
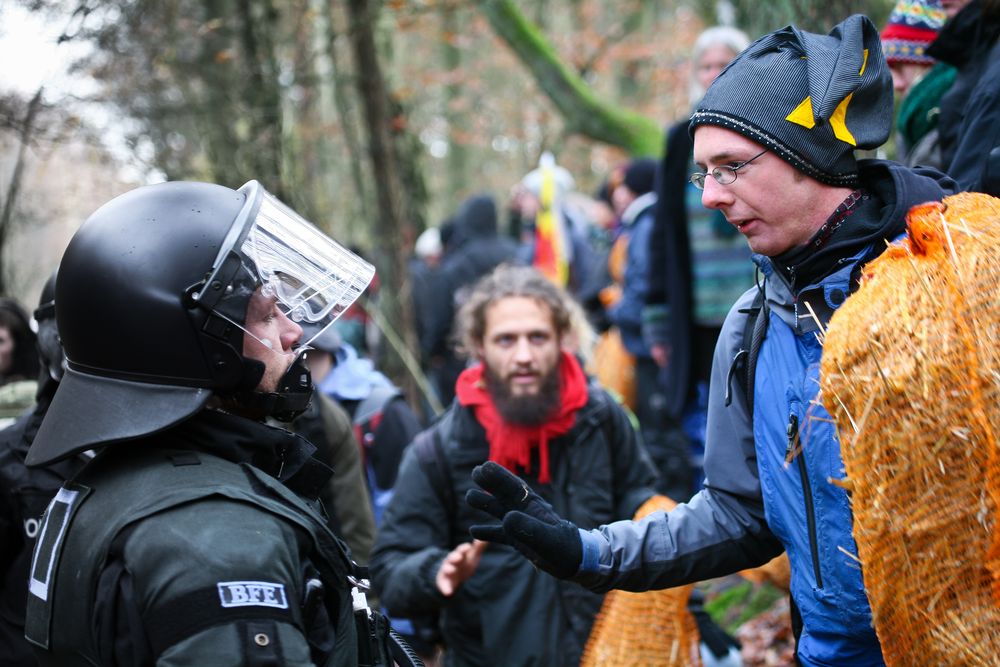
[(510, 444)]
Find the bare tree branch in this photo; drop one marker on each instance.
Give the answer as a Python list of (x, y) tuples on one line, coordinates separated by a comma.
[(15, 179), (583, 112)]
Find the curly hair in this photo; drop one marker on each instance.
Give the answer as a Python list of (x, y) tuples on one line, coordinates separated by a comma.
[(510, 281)]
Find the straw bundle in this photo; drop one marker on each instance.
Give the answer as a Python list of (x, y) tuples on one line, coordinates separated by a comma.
[(648, 629), (911, 375), (777, 572)]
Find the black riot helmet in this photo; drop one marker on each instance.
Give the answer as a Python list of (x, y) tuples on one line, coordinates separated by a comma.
[(153, 292)]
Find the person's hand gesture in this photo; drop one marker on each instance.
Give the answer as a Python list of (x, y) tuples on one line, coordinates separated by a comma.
[(527, 522), (458, 566)]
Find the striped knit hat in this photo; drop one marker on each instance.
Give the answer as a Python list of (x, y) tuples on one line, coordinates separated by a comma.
[(912, 26), (811, 99)]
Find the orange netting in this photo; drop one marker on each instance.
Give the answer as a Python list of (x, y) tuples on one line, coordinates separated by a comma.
[(649, 629), (911, 375), (777, 572)]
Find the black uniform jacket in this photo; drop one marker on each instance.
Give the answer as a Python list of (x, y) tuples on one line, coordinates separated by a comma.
[(197, 545)]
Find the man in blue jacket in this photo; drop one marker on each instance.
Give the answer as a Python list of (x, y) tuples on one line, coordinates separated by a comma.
[(774, 139)]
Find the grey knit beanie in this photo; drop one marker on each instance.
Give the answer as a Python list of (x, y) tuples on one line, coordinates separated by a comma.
[(811, 99)]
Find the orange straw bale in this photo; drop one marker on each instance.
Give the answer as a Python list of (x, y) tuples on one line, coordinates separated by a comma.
[(652, 629), (777, 572), (911, 375)]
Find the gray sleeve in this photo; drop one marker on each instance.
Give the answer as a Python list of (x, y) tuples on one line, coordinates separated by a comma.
[(719, 531), (730, 456)]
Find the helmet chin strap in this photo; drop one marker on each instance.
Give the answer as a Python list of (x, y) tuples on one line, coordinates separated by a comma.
[(289, 400), (295, 390)]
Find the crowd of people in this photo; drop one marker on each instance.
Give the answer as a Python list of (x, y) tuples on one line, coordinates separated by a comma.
[(221, 464)]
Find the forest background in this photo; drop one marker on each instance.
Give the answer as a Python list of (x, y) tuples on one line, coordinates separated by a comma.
[(372, 119)]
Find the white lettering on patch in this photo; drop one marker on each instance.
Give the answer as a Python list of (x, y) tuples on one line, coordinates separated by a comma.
[(252, 594)]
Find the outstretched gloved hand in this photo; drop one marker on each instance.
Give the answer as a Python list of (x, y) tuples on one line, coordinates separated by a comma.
[(527, 522)]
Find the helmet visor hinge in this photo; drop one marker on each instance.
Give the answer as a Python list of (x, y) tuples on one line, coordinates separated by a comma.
[(191, 296)]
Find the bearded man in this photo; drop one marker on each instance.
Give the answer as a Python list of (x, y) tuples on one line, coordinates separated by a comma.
[(527, 406)]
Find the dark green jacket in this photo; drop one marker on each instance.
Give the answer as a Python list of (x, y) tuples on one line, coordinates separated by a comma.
[(185, 548), (328, 426)]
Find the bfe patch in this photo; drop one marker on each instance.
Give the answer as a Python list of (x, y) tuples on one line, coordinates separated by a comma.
[(252, 594)]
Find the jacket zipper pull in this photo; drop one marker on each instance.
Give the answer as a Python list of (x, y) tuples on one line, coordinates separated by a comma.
[(792, 431)]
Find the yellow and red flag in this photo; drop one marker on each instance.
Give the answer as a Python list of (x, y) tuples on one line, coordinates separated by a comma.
[(551, 244)]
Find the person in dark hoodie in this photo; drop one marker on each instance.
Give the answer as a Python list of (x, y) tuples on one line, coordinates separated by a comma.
[(969, 123), (634, 200), (785, 175), (698, 265), (474, 248)]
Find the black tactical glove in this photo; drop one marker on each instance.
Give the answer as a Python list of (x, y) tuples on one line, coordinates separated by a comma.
[(528, 523)]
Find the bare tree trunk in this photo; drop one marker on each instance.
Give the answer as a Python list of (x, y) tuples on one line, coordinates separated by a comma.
[(304, 145), (15, 180), (261, 94), (216, 120), (458, 154), (393, 213), (341, 100)]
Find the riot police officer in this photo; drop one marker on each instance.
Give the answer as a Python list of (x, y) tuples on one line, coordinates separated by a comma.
[(192, 537)]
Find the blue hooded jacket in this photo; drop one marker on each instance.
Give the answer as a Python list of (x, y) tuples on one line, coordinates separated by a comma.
[(763, 495)]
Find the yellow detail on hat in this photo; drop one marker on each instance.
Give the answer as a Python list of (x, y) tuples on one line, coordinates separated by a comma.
[(838, 121), (803, 114)]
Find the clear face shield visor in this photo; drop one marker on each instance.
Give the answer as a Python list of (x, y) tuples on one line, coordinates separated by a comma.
[(313, 278)]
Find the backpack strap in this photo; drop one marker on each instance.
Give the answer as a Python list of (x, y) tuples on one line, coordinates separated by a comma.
[(744, 366), (367, 415), (372, 405), (428, 446)]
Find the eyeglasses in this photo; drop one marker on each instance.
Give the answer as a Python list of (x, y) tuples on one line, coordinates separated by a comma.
[(723, 174)]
